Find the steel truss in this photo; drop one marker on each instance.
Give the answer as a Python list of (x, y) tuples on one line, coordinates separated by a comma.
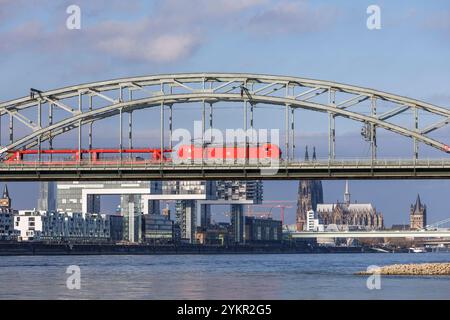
[(124, 96)]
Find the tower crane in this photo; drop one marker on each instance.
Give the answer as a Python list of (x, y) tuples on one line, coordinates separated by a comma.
[(282, 205)]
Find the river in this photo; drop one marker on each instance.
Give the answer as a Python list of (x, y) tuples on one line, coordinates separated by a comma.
[(268, 276)]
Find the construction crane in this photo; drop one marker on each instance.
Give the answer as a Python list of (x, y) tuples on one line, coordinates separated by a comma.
[(282, 205), (260, 214), (279, 201)]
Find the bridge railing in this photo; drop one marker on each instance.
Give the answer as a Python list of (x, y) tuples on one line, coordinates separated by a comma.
[(341, 163)]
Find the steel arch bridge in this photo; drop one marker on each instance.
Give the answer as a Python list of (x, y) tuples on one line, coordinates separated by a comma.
[(80, 106)]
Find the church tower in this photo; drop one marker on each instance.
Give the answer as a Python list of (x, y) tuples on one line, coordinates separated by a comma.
[(5, 201), (417, 215), (310, 193)]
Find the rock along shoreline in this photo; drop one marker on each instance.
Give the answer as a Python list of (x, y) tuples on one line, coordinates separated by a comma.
[(421, 269)]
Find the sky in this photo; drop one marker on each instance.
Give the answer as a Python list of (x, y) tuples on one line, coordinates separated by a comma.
[(327, 40)]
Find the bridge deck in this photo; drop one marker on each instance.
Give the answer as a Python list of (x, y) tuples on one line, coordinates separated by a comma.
[(373, 234), (353, 169)]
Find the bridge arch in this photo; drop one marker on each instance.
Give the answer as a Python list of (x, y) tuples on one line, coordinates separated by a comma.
[(250, 89)]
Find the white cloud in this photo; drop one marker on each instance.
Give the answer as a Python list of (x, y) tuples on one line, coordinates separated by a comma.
[(172, 31), (287, 17), (206, 9), (145, 40), (163, 48)]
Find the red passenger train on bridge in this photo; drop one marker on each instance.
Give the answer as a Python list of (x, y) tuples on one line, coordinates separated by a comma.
[(252, 152), (95, 156), (184, 153)]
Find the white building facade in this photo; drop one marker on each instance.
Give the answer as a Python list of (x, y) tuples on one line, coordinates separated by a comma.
[(35, 225), (29, 225), (312, 222)]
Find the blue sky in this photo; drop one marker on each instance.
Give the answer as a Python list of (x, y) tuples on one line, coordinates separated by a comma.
[(315, 39)]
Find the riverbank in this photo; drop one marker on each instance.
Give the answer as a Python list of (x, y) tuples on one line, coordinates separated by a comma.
[(45, 249), (422, 269)]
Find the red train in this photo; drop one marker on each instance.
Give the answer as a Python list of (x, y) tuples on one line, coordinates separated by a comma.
[(92, 155), (184, 153), (253, 152)]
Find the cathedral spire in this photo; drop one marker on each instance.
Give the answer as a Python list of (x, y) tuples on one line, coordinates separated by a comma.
[(347, 193), (314, 157), (306, 154)]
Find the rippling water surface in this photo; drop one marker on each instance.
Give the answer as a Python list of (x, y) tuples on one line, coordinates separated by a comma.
[(271, 276)]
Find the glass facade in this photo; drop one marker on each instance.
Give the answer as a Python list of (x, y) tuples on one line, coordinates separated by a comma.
[(46, 200)]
